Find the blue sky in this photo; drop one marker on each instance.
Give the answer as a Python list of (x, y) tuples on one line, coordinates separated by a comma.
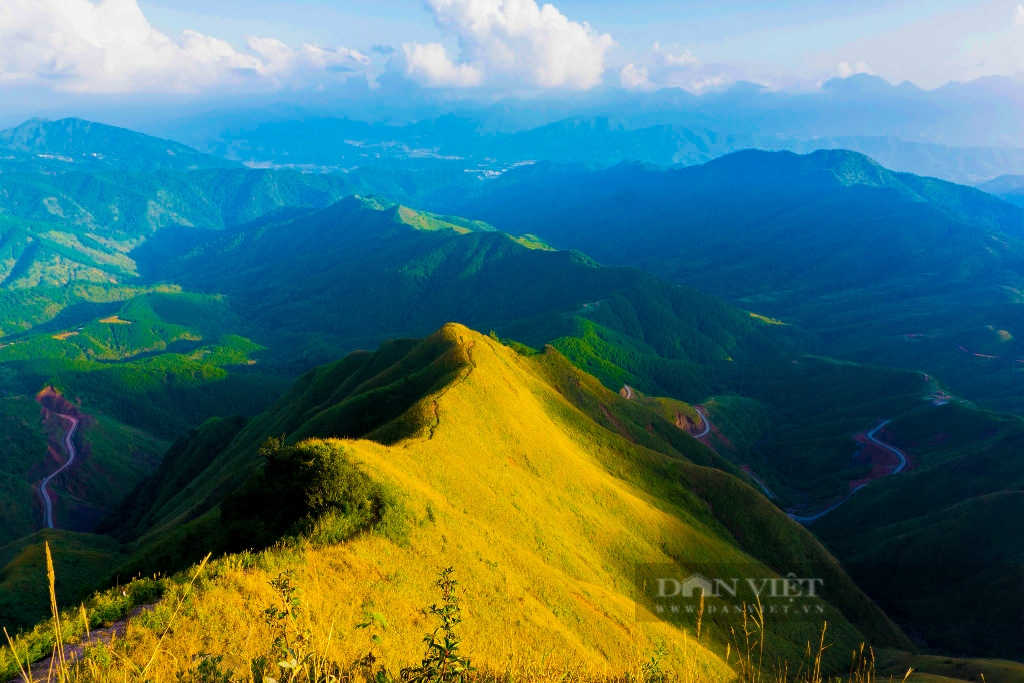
[(61, 50), (795, 41)]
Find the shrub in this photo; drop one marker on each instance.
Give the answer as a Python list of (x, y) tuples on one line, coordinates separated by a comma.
[(312, 488)]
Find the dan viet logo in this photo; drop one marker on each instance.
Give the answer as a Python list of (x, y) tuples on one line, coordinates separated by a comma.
[(789, 587), (669, 592)]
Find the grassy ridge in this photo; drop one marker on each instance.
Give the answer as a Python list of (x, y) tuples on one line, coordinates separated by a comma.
[(474, 443)]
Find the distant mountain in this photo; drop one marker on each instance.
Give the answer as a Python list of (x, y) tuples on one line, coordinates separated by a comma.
[(78, 145), (832, 241), (460, 141), (1007, 187), (965, 165), (67, 238)]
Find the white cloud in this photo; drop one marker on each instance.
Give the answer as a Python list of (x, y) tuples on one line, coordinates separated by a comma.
[(110, 47), (709, 82), (1019, 16), (278, 58), (846, 70), (429, 64), (512, 42), (635, 78), (668, 59), (673, 67)]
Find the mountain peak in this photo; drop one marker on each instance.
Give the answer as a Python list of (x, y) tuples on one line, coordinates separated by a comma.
[(858, 84)]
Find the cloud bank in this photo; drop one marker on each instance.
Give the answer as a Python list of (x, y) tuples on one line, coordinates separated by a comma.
[(669, 67), (110, 47), (509, 42)]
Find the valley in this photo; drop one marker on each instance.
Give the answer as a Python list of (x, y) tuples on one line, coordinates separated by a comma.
[(877, 472)]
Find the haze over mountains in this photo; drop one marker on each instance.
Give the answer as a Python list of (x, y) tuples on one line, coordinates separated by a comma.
[(935, 133), (187, 305)]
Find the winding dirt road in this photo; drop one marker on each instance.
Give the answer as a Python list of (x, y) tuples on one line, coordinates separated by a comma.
[(873, 439), (69, 447), (705, 421), (895, 451)]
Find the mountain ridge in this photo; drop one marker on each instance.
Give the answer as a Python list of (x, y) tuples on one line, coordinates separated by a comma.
[(72, 143)]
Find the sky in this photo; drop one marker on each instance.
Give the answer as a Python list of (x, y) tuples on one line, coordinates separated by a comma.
[(68, 50)]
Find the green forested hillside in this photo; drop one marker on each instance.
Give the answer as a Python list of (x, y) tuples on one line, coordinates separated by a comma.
[(70, 238), (96, 236), (830, 241), (360, 272), (936, 545), (163, 361), (114, 457)]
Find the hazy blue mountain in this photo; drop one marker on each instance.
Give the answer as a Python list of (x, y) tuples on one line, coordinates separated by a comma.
[(75, 144), (1007, 187), (463, 141), (965, 165)]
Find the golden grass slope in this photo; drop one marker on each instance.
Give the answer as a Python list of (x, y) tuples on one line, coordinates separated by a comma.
[(505, 473)]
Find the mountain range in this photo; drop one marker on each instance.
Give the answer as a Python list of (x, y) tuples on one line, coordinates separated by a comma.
[(884, 267), (560, 350)]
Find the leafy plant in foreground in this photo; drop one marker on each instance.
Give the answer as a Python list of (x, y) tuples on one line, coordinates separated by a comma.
[(291, 650), (442, 662)]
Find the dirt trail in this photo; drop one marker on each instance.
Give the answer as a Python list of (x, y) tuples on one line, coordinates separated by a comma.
[(41, 670)]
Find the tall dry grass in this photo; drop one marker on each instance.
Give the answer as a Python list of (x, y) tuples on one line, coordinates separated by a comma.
[(287, 632)]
